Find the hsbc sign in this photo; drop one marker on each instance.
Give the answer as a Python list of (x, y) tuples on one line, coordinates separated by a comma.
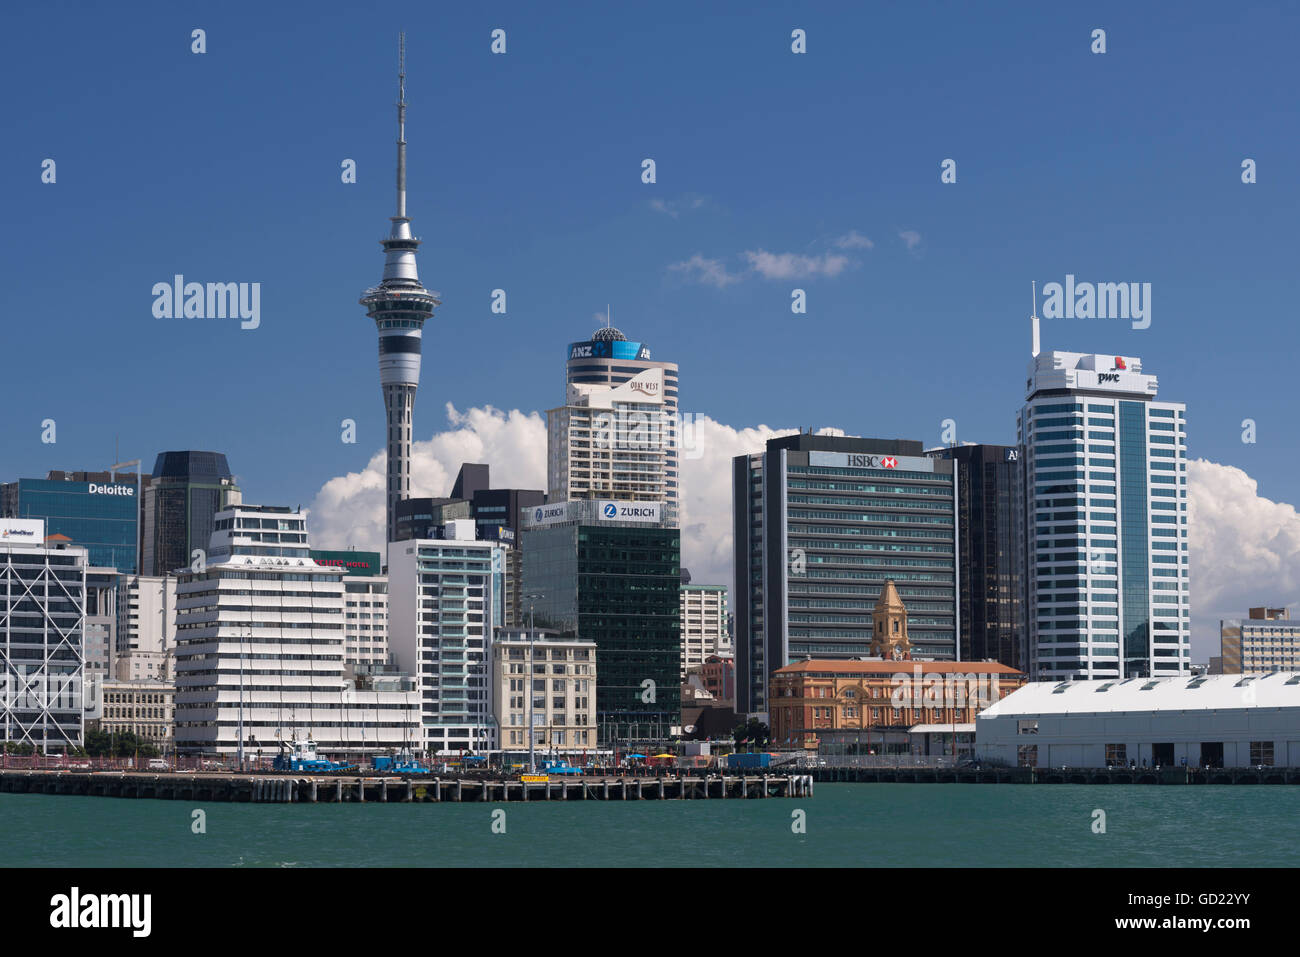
[(861, 460)]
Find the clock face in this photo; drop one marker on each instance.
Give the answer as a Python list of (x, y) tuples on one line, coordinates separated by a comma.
[(898, 653)]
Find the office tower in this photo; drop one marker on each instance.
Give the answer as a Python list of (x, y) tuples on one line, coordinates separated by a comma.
[(101, 515), (559, 676), (186, 491), (42, 655), (820, 523), (365, 612), (100, 631), (704, 623), (610, 572), (990, 553), (445, 597), (604, 362), (260, 645), (146, 626), (399, 305), (1106, 520), (612, 443)]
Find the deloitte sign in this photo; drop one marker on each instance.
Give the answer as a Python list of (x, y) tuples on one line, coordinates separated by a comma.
[(127, 490)]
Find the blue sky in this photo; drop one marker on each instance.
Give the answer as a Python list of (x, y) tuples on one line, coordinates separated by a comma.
[(525, 175)]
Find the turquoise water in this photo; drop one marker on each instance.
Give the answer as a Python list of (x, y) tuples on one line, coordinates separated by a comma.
[(863, 825)]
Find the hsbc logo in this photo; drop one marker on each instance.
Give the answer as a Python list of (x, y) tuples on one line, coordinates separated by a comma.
[(872, 461)]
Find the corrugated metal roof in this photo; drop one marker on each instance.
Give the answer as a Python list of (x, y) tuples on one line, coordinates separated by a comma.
[(1201, 693)]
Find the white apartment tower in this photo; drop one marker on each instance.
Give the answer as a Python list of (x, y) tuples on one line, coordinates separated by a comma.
[(1106, 523), (260, 645), (445, 596), (704, 624)]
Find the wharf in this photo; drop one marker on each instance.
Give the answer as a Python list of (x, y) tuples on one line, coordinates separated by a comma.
[(313, 789), (988, 775)]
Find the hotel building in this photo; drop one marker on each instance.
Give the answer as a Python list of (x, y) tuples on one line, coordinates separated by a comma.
[(640, 436), (1106, 520), (1266, 641), (819, 524)]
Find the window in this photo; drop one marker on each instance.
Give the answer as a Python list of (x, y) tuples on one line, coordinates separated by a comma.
[(1261, 753), (1116, 755)]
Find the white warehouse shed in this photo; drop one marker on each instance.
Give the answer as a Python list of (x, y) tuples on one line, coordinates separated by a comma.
[(1222, 721)]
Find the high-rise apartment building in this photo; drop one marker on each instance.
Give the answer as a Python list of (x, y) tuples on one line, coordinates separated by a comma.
[(186, 491), (1106, 520), (704, 624), (445, 597), (990, 553), (647, 429), (820, 524)]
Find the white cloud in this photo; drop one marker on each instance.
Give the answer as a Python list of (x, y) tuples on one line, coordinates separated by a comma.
[(349, 509), (711, 272), (910, 237), (675, 207), (1244, 548), (794, 265), (854, 240)]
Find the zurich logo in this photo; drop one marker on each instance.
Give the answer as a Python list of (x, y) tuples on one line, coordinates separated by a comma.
[(539, 514), (611, 510)]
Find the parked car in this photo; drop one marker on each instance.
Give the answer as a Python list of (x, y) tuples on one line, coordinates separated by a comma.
[(158, 764)]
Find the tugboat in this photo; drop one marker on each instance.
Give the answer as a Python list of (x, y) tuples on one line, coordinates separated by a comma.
[(403, 763), (303, 757)]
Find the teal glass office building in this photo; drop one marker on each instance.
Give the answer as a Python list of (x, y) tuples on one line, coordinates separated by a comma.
[(104, 517)]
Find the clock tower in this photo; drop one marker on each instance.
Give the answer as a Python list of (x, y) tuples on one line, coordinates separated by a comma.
[(889, 626)]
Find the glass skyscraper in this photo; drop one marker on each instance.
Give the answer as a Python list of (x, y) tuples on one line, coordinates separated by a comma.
[(990, 553), (1106, 520), (604, 573), (187, 491), (101, 516)]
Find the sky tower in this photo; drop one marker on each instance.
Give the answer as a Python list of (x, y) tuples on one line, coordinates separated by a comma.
[(399, 305)]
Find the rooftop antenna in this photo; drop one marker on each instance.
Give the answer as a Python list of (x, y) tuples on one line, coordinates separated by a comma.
[(1033, 314), (606, 315), (401, 126)]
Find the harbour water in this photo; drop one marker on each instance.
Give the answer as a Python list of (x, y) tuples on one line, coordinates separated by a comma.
[(853, 825)]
